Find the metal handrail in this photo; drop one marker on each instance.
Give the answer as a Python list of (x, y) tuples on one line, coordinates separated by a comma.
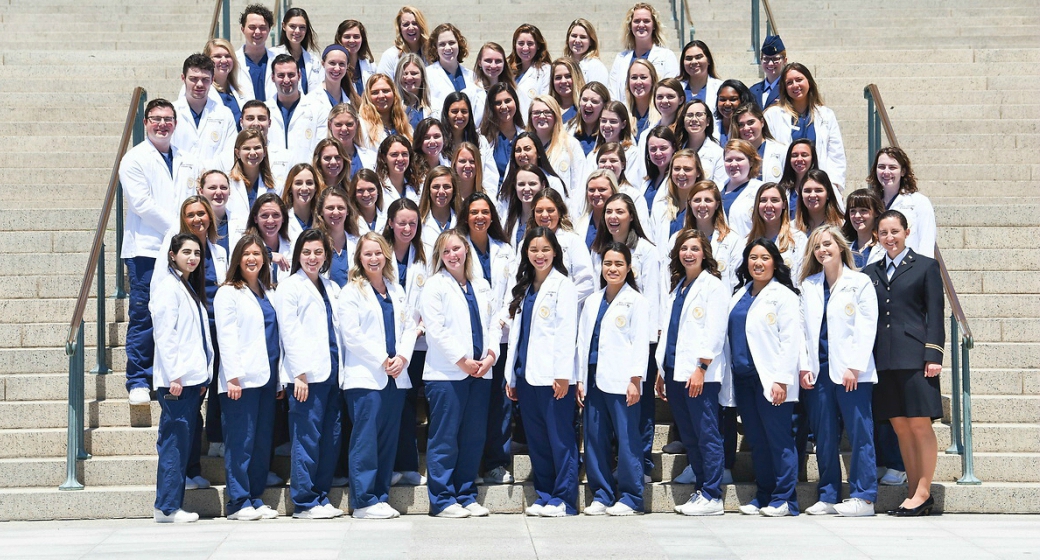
[(217, 12), (682, 19), (961, 339), (756, 37), (74, 347)]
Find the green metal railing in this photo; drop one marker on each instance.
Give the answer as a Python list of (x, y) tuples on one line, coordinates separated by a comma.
[(133, 128), (223, 8), (756, 29), (682, 16), (961, 339)]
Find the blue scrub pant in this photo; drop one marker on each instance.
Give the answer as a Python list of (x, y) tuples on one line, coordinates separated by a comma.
[(728, 426), (768, 430), (647, 411), (498, 448), (176, 428), (824, 402), (886, 445), (407, 443), (698, 422), (458, 426), (140, 348), (248, 424), (373, 442), (552, 444), (214, 422), (607, 414), (315, 437)]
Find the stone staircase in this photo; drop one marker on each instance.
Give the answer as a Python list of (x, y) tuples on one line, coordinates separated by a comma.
[(62, 107)]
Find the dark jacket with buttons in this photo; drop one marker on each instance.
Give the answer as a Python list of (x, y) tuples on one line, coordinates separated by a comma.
[(910, 313)]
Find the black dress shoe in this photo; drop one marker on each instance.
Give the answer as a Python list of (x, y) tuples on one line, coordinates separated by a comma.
[(922, 510), (896, 511)]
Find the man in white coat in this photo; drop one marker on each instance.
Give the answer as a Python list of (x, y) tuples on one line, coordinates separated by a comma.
[(156, 177), (205, 127), (295, 120), (254, 57)]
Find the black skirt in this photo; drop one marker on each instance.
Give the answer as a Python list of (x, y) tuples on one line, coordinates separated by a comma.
[(907, 392)]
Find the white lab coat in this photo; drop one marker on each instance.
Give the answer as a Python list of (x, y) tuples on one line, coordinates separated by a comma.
[(701, 330), (302, 327), (829, 145), (431, 230), (179, 327), (594, 70), (663, 59), (711, 156), (634, 165), (739, 215), (920, 216), (388, 62), (774, 333), (439, 86), (728, 254), (773, 160), (214, 137), (536, 81), (220, 260), (554, 331), (304, 131), (362, 336), (320, 99), (247, 82), (501, 256), (623, 340), (237, 206), (380, 223), (243, 94), (295, 228), (569, 164), (852, 314), (153, 198), (711, 91), (315, 74), (444, 311), (646, 267), (243, 343), (415, 279), (391, 194)]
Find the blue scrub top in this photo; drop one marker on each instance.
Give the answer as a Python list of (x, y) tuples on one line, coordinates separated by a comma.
[(301, 67), (270, 331), (457, 80), (402, 269), (673, 325), (588, 142), (222, 234), (740, 353), (485, 261), (355, 163), (333, 345), (414, 116), (521, 229), (520, 365), (651, 190), (860, 255), (677, 222), (700, 95), (502, 152), (258, 75), (211, 284), (287, 113), (339, 268), (590, 234), (168, 158), (804, 128), (569, 114), (359, 81), (251, 192), (386, 305), (232, 104), (474, 320), (729, 197), (594, 345), (642, 122)]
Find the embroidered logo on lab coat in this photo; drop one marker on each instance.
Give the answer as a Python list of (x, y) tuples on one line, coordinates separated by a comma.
[(787, 261), (420, 280), (771, 318), (722, 266), (620, 321), (698, 312), (544, 312), (776, 170), (214, 136), (850, 310), (563, 166), (308, 133)]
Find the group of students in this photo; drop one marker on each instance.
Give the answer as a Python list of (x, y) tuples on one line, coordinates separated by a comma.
[(356, 247)]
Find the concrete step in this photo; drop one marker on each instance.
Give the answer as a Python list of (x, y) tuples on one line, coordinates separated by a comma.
[(997, 382), (48, 335), (54, 386), (994, 409), (30, 310), (1004, 438), (22, 242), (62, 286), (54, 414)]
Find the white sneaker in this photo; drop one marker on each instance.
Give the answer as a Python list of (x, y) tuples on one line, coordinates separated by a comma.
[(621, 509), (498, 475), (675, 447), (407, 478), (216, 449), (200, 482), (821, 508), (727, 477), (703, 507), (372, 512), (316, 512), (190, 484), (693, 499), (893, 478), (779, 511), (559, 510), (335, 511), (685, 477), (139, 396), (179, 516), (389, 509), (854, 507), (535, 510), (247, 513), (340, 481), (283, 450), (646, 479), (273, 479), (477, 510), (595, 508), (454, 511), (267, 512), (749, 509)]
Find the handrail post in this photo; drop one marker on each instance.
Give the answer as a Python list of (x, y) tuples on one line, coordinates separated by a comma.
[(967, 458), (956, 445), (682, 21), (227, 19), (81, 450), (873, 128), (75, 414), (101, 367), (756, 39)]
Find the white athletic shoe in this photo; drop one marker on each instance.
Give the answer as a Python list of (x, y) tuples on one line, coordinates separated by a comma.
[(190, 484), (454, 511), (595, 508), (559, 510), (685, 477), (621, 509), (693, 498), (179, 516), (267, 512), (316, 512), (702, 506), (389, 509), (749, 509), (893, 478), (372, 512), (139, 396), (779, 511), (477, 510), (335, 511), (534, 510), (248, 513), (854, 507), (498, 475), (821, 508)]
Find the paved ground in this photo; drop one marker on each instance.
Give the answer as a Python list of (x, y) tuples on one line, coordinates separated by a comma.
[(513, 536)]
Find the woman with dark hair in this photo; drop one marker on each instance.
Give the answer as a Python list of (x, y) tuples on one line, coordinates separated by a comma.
[(695, 130), (446, 51), (693, 363), (800, 113), (366, 202), (459, 121), (615, 127), (748, 124), (308, 320), (738, 192), (818, 204), (352, 35), (183, 366), (437, 204), (585, 127), (732, 94), (550, 211), (299, 41), (335, 219), (336, 86), (396, 170), (530, 64), (861, 213), (300, 195), (429, 147), (699, 78), (763, 345), (614, 329), (894, 182), (800, 159), (540, 375), (501, 125), (268, 219), (772, 221), (909, 354), (661, 145)]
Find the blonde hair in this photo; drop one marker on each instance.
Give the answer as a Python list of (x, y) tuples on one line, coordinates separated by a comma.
[(357, 272), (812, 266), (232, 76), (673, 192), (420, 19), (558, 141), (370, 115), (585, 24), (628, 39), (438, 249)]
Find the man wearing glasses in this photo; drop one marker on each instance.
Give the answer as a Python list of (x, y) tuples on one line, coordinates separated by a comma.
[(774, 58), (156, 177)]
